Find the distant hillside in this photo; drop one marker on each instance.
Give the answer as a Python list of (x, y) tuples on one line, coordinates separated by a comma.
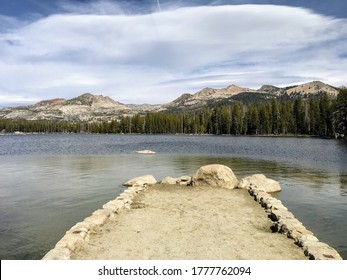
[(55, 101), (89, 107), (86, 107), (308, 89), (233, 93)]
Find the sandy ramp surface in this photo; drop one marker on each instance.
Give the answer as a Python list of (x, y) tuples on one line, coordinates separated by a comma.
[(184, 223)]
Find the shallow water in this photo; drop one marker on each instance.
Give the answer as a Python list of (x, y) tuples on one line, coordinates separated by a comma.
[(50, 182)]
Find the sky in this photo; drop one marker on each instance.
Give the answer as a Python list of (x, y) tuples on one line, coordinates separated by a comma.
[(152, 51)]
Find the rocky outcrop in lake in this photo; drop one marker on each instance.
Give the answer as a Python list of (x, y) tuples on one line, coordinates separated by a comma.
[(145, 152)]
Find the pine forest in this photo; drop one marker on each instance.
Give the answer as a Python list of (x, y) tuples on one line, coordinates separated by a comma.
[(321, 116)]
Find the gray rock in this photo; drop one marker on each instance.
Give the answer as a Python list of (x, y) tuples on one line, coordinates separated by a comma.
[(142, 180), (70, 241), (58, 254), (215, 175), (98, 218), (298, 232), (316, 250), (79, 227), (169, 181), (277, 214), (185, 178), (136, 189), (259, 182), (114, 205), (185, 181), (303, 239), (260, 196), (243, 184), (129, 193)]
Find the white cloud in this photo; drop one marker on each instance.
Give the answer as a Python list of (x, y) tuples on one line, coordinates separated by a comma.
[(9, 98), (153, 58)]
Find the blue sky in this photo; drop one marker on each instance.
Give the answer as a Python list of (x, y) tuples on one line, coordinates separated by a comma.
[(153, 51)]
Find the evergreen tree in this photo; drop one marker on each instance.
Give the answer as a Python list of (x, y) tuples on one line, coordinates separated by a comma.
[(265, 119), (313, 115), (225, 120), (286, 119), (275, 115), (325, 116), (299, 115), (236, 127), (340, 113)]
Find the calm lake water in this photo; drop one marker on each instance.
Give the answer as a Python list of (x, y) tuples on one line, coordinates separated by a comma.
[(48, 183)]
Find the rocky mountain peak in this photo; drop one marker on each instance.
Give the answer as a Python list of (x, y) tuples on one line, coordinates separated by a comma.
[(89, 107), (183, 97), (207, 91), (315, 87), (88, 99), (234, 89), (240, 94), (85, 99), (268, 88)]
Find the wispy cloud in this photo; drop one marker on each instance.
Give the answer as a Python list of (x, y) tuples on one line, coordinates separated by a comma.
[(101, 7), (9, 23), (101, 48)]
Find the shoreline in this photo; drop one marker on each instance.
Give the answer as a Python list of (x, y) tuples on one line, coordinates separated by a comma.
[(280, 220), (20, 133)]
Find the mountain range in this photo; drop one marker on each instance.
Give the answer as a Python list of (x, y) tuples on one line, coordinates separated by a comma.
[(89, 107)]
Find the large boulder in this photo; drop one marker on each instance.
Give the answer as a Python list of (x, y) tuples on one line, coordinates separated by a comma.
[(140, 181), (215, 175), (259, 182)]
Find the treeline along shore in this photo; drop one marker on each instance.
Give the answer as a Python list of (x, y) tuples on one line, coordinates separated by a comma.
[(322, 116)]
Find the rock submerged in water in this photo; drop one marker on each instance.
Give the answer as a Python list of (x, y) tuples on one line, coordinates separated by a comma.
[(216, 175), (146, 152), (260, 183), (140, 181)]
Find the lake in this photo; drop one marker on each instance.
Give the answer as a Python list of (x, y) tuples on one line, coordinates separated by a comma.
[(48, 183)]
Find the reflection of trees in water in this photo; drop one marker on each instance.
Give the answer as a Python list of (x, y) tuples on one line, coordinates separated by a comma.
[(188, 164), (343, 184), (245, 167)]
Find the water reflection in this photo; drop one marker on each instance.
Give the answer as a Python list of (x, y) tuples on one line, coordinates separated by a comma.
[(343, 184)]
